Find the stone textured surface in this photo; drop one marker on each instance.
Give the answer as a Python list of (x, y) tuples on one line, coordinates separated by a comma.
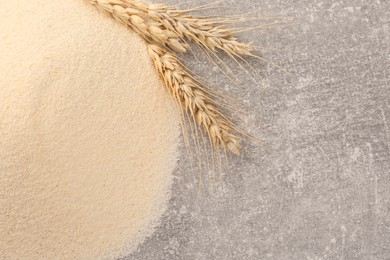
[(322, 190)]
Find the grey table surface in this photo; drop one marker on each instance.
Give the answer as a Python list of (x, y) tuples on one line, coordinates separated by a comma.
[(322, 190)]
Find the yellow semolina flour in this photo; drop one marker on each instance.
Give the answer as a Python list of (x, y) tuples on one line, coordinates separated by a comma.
[(88, 135)]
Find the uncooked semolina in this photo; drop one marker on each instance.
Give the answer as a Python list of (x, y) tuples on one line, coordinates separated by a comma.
[(88, 135)]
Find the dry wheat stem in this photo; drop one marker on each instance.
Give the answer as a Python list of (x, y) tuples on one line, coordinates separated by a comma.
[(164, 27), (187, 92)]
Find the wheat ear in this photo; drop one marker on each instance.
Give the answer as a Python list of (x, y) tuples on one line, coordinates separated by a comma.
[(192, 97), (206, 32), (169, 26)]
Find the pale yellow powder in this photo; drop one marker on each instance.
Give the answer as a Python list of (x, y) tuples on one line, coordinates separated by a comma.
[(88, 136)]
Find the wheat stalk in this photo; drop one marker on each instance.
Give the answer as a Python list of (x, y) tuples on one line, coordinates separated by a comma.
[(163, 26), (191, 95)]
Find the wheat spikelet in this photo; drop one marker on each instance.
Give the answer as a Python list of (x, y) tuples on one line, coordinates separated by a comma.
[(193, 98), (131, 14)]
